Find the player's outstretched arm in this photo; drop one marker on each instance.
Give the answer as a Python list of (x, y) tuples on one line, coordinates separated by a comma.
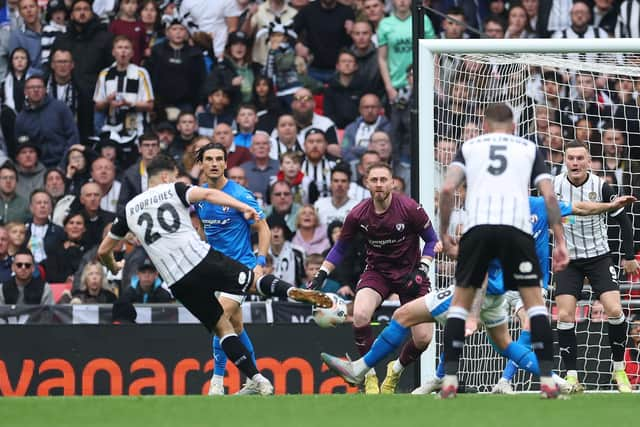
[(560, 252), (264, 239), (105, 254), (218, 197), (594, 208)]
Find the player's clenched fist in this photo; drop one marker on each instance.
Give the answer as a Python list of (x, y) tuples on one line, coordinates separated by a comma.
[(250, 213), (318, 279)]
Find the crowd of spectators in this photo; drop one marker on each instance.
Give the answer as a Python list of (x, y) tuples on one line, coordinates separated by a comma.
[(304, 95)]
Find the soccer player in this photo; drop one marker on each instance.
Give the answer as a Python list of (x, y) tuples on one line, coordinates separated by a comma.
[(229, 232), (590, 257), (393, 225), (541, 237), (499, 167), (431, 308), (159, 218)]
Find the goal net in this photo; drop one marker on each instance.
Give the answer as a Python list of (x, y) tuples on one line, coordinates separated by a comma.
[(555, 97)]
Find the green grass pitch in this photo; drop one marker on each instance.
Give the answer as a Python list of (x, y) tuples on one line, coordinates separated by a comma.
[(322, 410)]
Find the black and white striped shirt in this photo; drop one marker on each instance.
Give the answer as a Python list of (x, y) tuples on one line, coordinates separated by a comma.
[(160, 219), (586, 236), (320, 173), (499, 169), (591, 33), (629, 19)]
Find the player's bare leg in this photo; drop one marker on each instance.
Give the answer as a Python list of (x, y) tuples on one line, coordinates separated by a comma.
[(541, 338), (408, 315), (567, 338), (454, 338), (364, 305), (271, 286), (239, 355), (618, 330)]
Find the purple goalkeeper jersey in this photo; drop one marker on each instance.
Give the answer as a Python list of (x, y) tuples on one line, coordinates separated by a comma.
[(392, 238)]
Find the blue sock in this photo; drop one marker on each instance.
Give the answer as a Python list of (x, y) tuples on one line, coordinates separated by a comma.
[(246, 341), (511, 368), (219, 357), (440, 368), (524, 357), (389, 339)]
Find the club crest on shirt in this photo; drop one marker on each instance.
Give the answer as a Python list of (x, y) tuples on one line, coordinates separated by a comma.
[(225, 209), (400, 227), (592, 196)]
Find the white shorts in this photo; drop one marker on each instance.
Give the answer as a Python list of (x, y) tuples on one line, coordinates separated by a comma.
[(514, 301), (239, 298), (493, 311)]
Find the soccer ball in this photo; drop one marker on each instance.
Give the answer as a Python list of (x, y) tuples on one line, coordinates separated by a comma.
[(330, 317)]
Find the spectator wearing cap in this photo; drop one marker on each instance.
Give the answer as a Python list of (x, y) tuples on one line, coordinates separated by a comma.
[(56, 24), (268, 12), (47, 122), (146, 286), (23, 287), (316, 164), (30, 170), (13, 206), (90, 45), (103, 173), (288, 259), (235, 155), (215, 19), (302, 109), (323, 27), (358, 133), (176, 68), (261, 170), (246, 121), (29, 34)]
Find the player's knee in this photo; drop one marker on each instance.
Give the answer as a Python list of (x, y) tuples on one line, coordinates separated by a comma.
[(361, 318), (401, 315), (566, 315), (421, 339)]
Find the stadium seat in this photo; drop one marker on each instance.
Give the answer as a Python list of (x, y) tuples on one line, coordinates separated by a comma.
[(58, 288)]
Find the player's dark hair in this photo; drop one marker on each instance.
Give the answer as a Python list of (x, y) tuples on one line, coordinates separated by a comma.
[(23, 251), (342, 168), (147, 136), (498, 113), (160, 163), (380, 165), (575, 144), (210, 146)]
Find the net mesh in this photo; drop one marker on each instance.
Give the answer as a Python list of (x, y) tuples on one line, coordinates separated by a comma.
[(555, 98)]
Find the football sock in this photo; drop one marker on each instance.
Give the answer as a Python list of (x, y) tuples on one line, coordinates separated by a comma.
[(454, 339), (238, 354), (246, 341), (523, 357), (440, 368), (270, 286), (389, 339), (617, 337), (541, 338), (511, 368), (409, 353), (568, 345), (397, 367), (364, 338), (219, 357)]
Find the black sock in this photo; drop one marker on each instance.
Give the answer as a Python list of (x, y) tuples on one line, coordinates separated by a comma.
[(618, 340), (568, 348), (453, 344), (271, 286), (238, 354), (542, 343)]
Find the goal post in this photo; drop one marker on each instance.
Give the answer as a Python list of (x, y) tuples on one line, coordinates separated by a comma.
[(517, 72)]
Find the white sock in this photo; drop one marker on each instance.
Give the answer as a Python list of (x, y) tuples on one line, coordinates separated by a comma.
[(505, 380), (217, 379), (359, 367), (572, 373), (397, 367), (547, 381), (558, 379), (371, 372), (618, 366)]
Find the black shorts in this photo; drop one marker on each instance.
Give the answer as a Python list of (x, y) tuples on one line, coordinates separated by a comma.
[(514, 248), (599, 270), (197, 289)]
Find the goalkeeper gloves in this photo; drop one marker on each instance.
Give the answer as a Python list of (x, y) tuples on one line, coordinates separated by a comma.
[(318, 279), (417, 278)]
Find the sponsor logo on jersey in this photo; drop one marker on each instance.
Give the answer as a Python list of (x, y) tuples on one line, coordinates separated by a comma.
[(364, 227), (525, 267)]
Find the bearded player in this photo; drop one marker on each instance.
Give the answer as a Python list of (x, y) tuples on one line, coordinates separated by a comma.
[(392, 224)]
